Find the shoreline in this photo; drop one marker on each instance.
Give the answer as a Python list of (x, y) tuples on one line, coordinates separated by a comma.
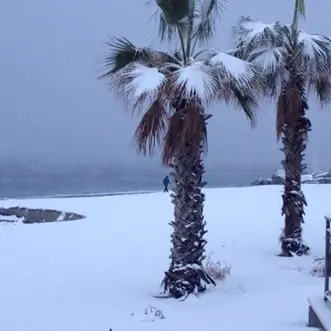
[(79, 195), (119, 193)]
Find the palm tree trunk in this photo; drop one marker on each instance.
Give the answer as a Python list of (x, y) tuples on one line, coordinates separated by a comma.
[(294, 137), (186, 273)]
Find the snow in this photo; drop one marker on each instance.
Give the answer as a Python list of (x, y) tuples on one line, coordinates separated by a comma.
[(316, 52), (249, 31), (4, 219), (306, 177), (143, 80), (311, 44), (233, 67), (322, 310), (101, 273), (270, 59), (197, 78), (257, 28)]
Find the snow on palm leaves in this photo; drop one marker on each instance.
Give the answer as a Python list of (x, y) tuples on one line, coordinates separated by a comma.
[(157, 78), (199, 78), (270, 46)]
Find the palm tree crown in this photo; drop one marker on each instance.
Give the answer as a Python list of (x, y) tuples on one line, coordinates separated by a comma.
[(157, 82), (275, 48)]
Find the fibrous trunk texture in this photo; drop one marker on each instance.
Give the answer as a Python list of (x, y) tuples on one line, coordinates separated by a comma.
[(186, 274), (294, 136)]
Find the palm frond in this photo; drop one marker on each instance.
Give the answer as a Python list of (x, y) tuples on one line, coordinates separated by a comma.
[(196, 81), (315, 52), (209, 11), (250, 34), (269, 59), (170, 144), (273, 63), (322, 88), (174, 11), (166, 31), (152, 127), (186, 129), (172, 15), (138, 85), (245, 99), (232, 69), (122, 52), (248, 102)]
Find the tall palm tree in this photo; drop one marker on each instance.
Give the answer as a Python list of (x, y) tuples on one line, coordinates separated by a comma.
[(295, 63), (174, 91)]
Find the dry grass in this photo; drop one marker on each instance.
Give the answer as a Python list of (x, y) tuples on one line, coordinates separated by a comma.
[(154, 312), (216, 269), (318, 268)]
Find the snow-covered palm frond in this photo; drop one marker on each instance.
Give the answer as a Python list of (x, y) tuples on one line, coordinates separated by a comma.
[(138, 85), (197, 80), (269, 59), (272, 61), (315, 52), (250, 33), (122, 52), (231, 68)]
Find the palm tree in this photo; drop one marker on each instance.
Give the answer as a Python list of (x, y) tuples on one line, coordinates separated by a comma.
[(295, 63), (174, 91)]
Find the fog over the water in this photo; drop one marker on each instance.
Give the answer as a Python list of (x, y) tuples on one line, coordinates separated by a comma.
[(54, 110)]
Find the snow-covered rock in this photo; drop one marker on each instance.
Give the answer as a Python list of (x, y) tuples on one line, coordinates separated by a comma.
[(277, 178), (29, 215)]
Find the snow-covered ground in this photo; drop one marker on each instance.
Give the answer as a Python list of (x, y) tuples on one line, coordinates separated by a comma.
[(101, 273)]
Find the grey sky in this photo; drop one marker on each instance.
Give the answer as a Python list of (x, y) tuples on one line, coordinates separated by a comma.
[(53, 108)]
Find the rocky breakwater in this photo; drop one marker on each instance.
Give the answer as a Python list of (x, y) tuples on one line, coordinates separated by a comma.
[(319, 177), (29, 215)]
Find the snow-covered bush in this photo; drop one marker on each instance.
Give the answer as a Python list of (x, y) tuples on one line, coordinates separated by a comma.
[(318, 269), (153, 312), (216, 269)]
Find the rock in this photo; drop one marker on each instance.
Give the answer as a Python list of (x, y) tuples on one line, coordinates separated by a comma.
[(261, 182), (29, 215), (277, 180)]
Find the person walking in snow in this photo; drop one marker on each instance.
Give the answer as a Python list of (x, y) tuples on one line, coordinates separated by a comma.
[(166, 182)]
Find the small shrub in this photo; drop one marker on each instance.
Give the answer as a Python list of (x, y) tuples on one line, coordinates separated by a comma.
[(318, 269), (153, 313), (216, 269)]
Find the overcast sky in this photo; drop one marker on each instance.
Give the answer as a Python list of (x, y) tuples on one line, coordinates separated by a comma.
[(53, 109)]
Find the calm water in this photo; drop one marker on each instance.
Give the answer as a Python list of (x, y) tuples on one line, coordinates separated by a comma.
[(24, 181)]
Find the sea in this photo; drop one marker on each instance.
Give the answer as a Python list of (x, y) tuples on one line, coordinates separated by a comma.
[(31, 181)]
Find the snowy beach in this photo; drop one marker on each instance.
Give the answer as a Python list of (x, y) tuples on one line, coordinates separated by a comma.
[(102, 272)]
